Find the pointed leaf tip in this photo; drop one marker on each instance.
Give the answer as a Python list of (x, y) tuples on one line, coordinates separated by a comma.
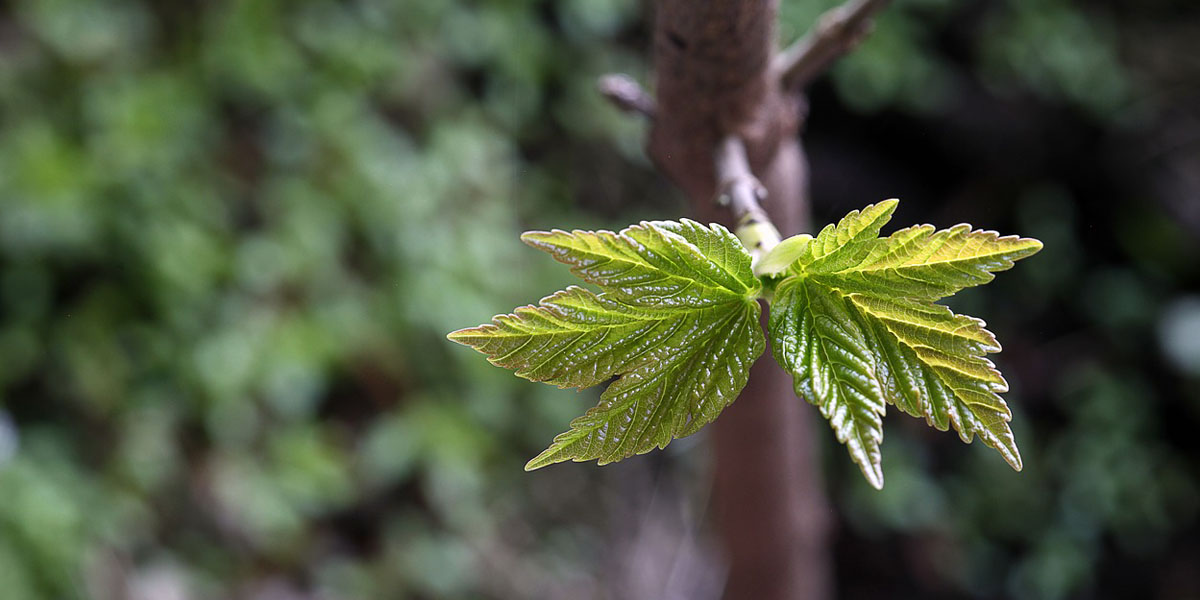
[(457, 336), (874, 476), (538, 462), (880, 212), (538, 238), (873, 216), (1012, 456), (536, 233)]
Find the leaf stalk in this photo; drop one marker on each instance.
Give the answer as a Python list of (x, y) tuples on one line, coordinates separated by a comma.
[(740, 191)]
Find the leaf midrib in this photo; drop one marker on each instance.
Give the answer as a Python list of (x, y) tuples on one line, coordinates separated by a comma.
[(824, 352), (662, 314), (879, 266)]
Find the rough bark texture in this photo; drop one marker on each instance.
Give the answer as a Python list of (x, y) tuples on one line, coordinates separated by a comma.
[(712, 63)]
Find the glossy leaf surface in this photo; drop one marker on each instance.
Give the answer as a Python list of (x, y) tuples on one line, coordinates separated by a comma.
[(676, 321), (855, 324)]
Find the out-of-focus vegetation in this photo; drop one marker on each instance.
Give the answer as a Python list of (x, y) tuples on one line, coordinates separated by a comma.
[(233, 237), (234, 234)]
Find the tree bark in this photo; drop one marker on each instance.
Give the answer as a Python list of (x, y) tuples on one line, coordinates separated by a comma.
[(713, 79)]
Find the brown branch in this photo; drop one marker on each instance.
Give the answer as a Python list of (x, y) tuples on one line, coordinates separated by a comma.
[(712, 79), (626, 94), (836, 33)]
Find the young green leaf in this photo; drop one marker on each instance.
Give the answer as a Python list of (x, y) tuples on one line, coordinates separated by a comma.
[(815, 337), (676, 321), (855, 325), (779, 258)]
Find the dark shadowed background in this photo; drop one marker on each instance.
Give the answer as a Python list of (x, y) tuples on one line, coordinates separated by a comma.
[(233, 236)]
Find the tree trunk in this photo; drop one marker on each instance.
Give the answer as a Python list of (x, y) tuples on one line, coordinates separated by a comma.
[(712, 62)]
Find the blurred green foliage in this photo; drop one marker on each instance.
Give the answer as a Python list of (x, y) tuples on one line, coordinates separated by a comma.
[(234, 234), (233, 237), (1047, 47)]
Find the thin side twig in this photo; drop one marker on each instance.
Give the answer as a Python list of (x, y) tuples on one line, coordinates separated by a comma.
[(836, 33), (624, 92), (742, 192)]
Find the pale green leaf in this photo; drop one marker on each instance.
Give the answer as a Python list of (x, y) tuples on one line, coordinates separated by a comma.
[(779, 258), (676, 322), (886, 340)]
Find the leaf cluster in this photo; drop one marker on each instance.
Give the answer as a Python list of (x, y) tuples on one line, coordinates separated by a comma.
[(853, 319)]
